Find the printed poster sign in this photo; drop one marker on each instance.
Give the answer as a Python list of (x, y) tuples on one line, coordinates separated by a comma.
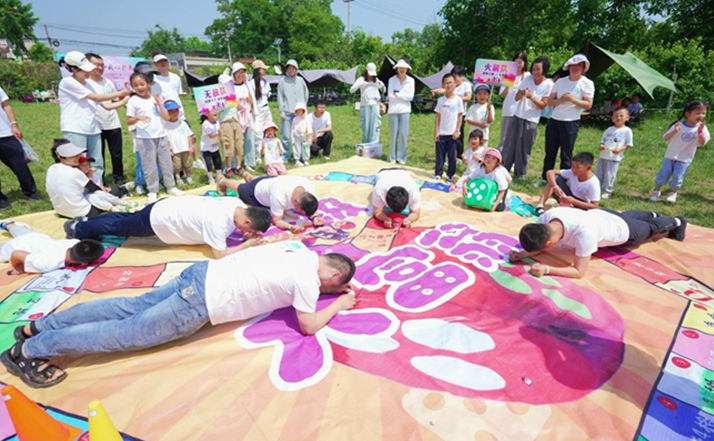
[(116, 69), (495, 72), (215, 97)]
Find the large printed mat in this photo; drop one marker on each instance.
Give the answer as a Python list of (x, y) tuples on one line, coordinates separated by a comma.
[(448, 340)]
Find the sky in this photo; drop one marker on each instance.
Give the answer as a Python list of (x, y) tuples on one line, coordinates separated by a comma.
[(114, 27)]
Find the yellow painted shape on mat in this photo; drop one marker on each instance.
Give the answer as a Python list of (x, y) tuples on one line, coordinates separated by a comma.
[(456, 418), (700, 319), (172, 270)]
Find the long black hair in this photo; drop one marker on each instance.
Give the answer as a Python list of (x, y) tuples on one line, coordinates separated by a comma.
[(522, 56), (690, 107), (257, 79)]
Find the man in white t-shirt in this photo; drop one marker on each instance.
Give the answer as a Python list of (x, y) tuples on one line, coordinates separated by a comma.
[(244, 285), (586, 231), (321, 121), (577, 186), (189, 220), (32, 252), (395, 190), (108, 119), (12, 154), (279, 194), (167, 83)]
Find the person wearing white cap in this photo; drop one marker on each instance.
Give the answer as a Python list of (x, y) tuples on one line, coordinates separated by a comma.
[(400, 94), (237, 123), (166, 83), (302, 135), (292, 89), (272, 150), (570, 96), (260, 87), (371, 89), (78, 107)]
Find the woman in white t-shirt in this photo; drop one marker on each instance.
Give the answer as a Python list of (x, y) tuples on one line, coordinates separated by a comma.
[(400, 94), (569, 97), (149, 114), (371, 89), (78, 106), (508, 115), (531, 99), (260, 88)]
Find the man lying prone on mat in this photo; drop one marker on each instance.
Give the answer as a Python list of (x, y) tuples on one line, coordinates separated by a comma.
[(279, 194), (189, 220), (586, 231), (237, 287), (396, 190)]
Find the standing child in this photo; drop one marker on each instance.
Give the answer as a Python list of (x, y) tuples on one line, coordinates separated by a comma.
[(209, 145), (491, 169), (684, 137), (473, 157), (272, 150), (615, 140), (481, 114), (577, 186), (449, 116), (147, 113), (179, 134), (301, 136)]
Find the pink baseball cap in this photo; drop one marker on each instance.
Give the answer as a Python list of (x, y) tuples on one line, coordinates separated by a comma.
[(495, 153)]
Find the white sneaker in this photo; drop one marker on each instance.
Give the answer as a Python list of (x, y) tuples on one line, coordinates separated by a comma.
[(179, 182), (174, 192), (327, 158), (392, 161), (672, 197), (306, 162), (654, 197), (211, 181), (129, 185), (258, 161), (139, 190), (152, 198), (188, 180), (249, 168), (199, 165), (402, 162), (605, 196), (540, 183), (298, 164)]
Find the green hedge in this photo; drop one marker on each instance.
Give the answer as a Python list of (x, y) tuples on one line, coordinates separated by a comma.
[(20, 78)]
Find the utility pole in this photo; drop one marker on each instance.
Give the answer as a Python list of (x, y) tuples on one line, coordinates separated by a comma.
[(228, 44), (49, 42), (349, 17), (671, 93)]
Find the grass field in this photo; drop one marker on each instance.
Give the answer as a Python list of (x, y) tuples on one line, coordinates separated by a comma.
[(40, 125)]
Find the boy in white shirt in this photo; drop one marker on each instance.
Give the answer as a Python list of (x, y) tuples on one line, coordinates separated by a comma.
[(179, 136), (578, 186), (449, 116), (615, 140), (321, 122), (481, 114), (394, 188)]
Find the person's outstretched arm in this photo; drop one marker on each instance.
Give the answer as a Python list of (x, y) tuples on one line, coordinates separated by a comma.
[(576, 271), (311, 322)]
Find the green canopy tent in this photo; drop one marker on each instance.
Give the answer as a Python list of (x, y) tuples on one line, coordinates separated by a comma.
[(648, 78)]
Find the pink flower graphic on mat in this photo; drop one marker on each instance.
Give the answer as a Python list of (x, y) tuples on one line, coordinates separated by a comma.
[(299, 360)]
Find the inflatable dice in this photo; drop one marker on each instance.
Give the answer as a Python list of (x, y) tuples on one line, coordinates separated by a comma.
[(481, 193)]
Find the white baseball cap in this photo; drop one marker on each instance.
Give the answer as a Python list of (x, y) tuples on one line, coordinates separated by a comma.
[(402, 63), (68, 150), (238, 66), (577, 59), (160, 57), (372, 69), (78, 59), (291, 62)]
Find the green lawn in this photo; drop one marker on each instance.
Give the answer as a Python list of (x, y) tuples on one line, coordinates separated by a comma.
[(40, 124)]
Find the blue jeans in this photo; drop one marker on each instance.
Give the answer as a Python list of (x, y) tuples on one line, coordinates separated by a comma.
[(370, 121), (398, 136), (93, 144), (175, 310), (249, 148), (117, 224), (674, 170), (286, 128)]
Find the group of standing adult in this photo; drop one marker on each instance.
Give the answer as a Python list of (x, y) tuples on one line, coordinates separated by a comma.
[(523, 103)]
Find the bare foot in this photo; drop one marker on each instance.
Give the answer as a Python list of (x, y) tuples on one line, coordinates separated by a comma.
[(221, 184)]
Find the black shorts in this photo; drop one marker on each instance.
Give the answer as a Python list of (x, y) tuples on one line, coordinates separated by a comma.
[(246, 192)]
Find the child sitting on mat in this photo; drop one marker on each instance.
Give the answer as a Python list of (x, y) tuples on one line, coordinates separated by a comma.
[(109, 199), (577, 187), (491, 169), (473, 158)]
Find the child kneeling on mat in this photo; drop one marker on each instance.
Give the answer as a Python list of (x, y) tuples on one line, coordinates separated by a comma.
[(491, 169)]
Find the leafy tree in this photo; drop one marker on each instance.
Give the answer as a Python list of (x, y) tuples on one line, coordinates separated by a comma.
[(425, 48), (39, 52), (160, 40), (16, 23), (688, 19), (196, 44)]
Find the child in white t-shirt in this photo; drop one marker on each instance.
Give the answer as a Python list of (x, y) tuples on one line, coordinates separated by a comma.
[(105, 199), (272, 151), (301, 136), (684, 137), (179, 135), (473, 157), (449, 116), (615, 140), (577, 187), (481, 114), (210, 132), (492, 169)]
